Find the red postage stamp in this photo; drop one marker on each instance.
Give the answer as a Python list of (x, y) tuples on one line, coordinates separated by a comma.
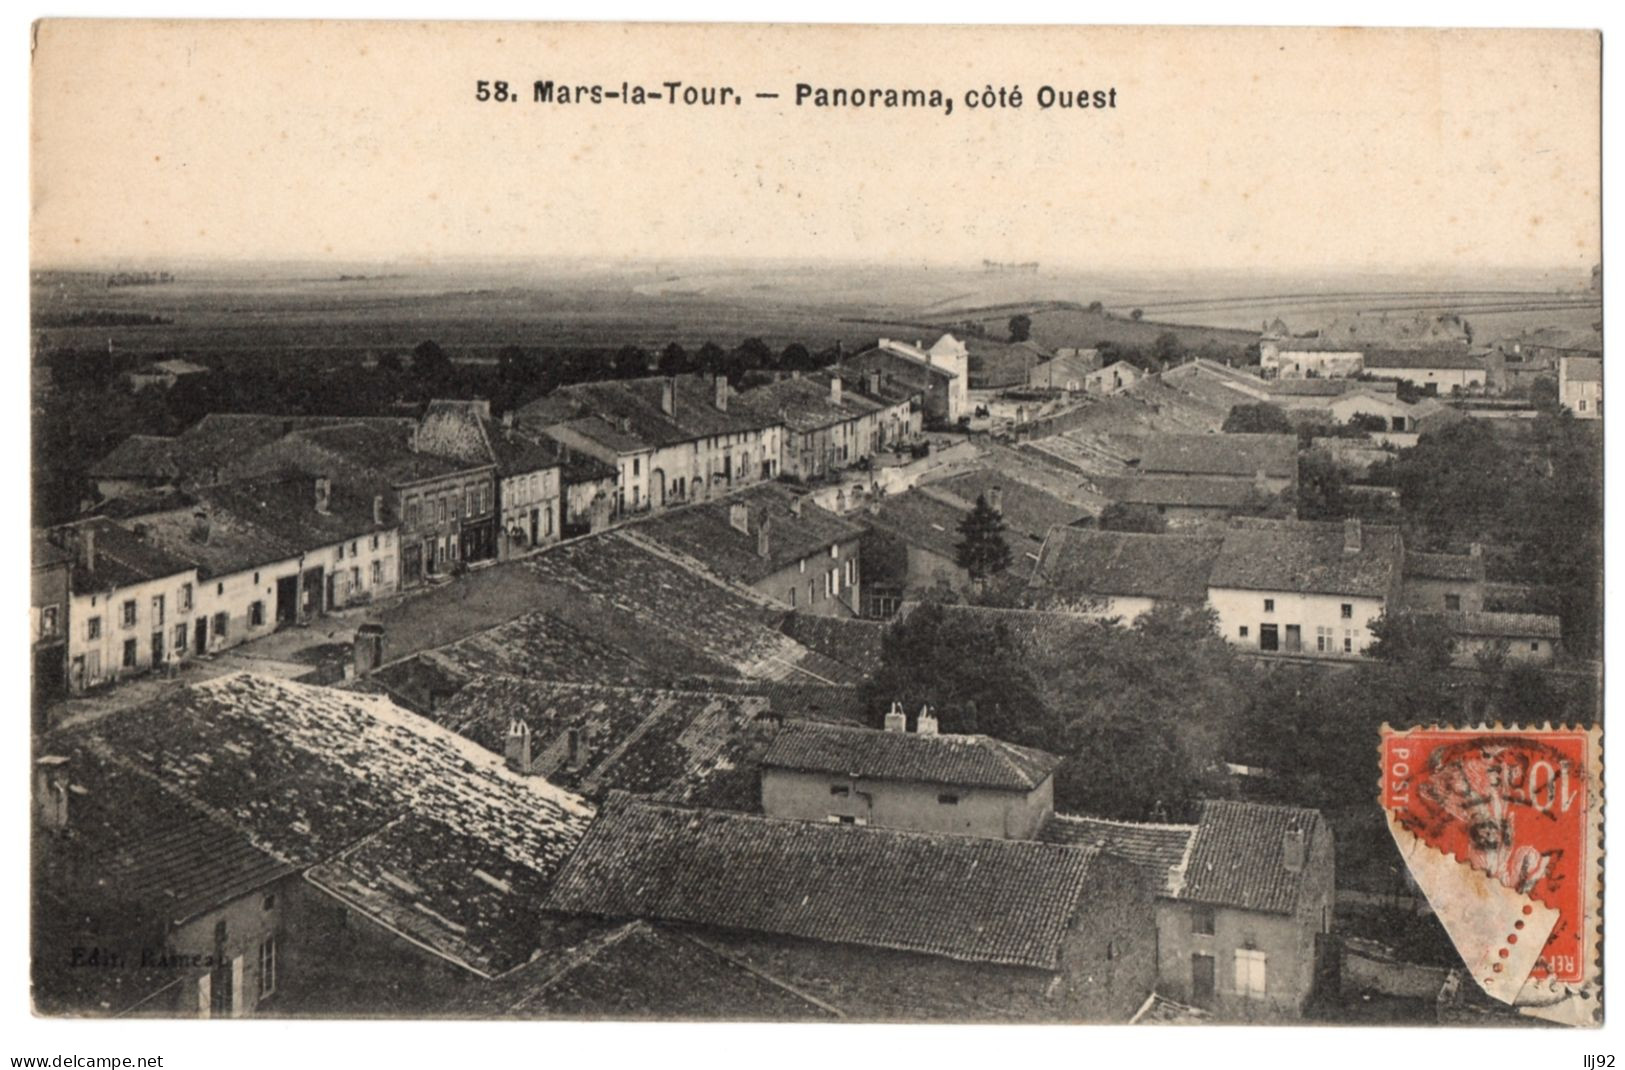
[(1500, 828)]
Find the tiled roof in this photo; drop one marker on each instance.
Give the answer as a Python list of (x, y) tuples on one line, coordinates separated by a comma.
[(1329, 388), (642, 740), (1505, 625), (1200, 492), (920, 520), (965, 761), (1027, 509), (642, 970), (1161, 849), (885, 356), (1306, 557), (517, 453), (43, 553), (848, 640), (1466, 567), (122, 559), (803, 404), (1583, 369), (1238, 856), (1444, 359), (631, 417), (968, 898), (1240, 455), (456, 429), (1078, 563), (704, 533), (404, 820), (224, 441), (139, 457)]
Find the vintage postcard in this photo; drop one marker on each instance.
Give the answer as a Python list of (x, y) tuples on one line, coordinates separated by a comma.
[(815, 523)]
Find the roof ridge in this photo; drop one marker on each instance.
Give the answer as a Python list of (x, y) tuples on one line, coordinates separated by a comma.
[(1118, 822)]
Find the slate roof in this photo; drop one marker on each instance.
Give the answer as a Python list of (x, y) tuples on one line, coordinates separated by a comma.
[(1237, 858), (122, 560), (967, 898), (1161, 849), (1078, 562), (405, 821), (1505, 625), (703, 532), (956, 760), (1442, 359), (1424, 566), (1240, 455), (643, 740), (1306, 557), (139, 457), (803, 404)]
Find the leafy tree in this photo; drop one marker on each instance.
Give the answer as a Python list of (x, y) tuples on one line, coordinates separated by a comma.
[(674, 360), (1021, 327), (430, 362), (1133, 516), (1168, 349), (1137, 314), (1417, 639), (1260, 417), (796, 357), (629, 362), (1322, 491), (517, 366), (388, 361), (711, 360), (1096, 307), (1368, 423), (1543, 392), (982, 550), (753, 353)]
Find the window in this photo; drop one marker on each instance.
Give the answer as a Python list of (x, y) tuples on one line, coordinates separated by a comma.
[(1582, 405), (127, 613), (812, 589), (339, 552), (1348, 611), (948, 800), (1535, 646), (1325, 640), (268, 967), (377, 573), (1243, 631), (220, 623), (180, 638), (375, 542), (256, 615), (355, 578), (834, 550), (1202, 920), (841, 790), (411, 512), (129, 653), (93, 628), (48, 622), (637, 466), (157, 610), (851, 571), (802, 564), (353, 551), (1269, 605), (842, 819), (184, 602), (269, 902), (1250, 973), (219, 589), (792, 598), (1452, 602), (256, 579)]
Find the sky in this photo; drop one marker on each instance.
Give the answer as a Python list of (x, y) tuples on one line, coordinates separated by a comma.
[(1229, 149)]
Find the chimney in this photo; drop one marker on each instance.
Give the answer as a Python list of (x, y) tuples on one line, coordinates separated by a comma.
[(739, 517), (200, 526), (762, 531), (835, 389), (625, 423), (1351, 535), (516, 751), (369, 648), (1261, 479), (87, 549), (51, 791), (995, 500), (1294, 850), (896, 719), (507, 420), (926, 725), (874, 384), (324, 494), (1476, 549), (412, 442), (668, 395), (377, 508), (572, 748), (722, 393)]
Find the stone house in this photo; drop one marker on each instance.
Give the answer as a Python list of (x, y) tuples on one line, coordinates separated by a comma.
[(1579, 386), (50, 595), (1119, 574)]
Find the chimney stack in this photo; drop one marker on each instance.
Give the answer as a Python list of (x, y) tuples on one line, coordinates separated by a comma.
[(668, 395), (721, 385), (739, 517), (377, 508), (874, 384), (1351, 535), (507, 420), (835, 389), (51, 791), (896, 719), (200, 526), (412, 442), (87, 549), (1294, 850), (572, 747), (1261, 479), (762, 533), (324, 494), (369, 648), (1476, 549), (517, 749), (995, 499), (926, 725)]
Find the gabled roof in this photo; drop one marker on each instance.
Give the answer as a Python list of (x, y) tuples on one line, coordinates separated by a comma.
[(1240, 455), (150, 457), (1238, 856), (519, 453), (421, 829), (456, 429), (889, 354), (1199, 492), (1307, 557), (950, 760), (633, 416), (920, 520), (1161, 849), (1505, 625), (974, 899), (122, 559), (704, 532), (1027, 509), (804, 404), (1079, 563)]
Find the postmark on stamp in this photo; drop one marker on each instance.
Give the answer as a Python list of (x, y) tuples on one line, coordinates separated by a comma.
[(1501, 829)]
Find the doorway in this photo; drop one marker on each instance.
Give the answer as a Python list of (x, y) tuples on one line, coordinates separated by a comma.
[(200, 635), (1202, 979), (287, 600), (1269, 637), (1294, 639)]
